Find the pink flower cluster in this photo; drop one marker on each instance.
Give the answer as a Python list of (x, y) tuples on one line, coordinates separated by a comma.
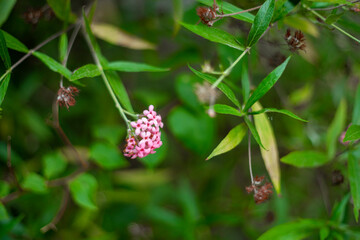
[(146, 137)]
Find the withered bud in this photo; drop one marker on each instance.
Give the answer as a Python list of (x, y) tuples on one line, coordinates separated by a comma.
[(261, 192), (337, 178), (66, 96), (205, 92), (295, 42), (207, 15)]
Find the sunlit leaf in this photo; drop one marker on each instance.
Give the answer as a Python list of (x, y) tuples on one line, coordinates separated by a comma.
[(302, 95), (339, 210), (13, 43), (271, 154), (222, 86), (353, 133), (124, 66), (261, 22), (283, 8), (245, 81), (298, 22), (229, 8), (62, 10), (266, 84), (306, 159), (86, 71), (3, 87), (215, 35), (231, 140), (116, 36), (274, 110), (335, 129), (53, 64), (254, 132), (297, 230), (354, 179), (34, 183), (107, 156), (63, 47), (54, 164), (225, 109), (5, 9), (83, 189), (178, 15), (3, 212)]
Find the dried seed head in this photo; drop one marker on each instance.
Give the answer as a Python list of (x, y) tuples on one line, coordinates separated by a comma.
[(205, 92), (66, 96), (261, 192), (207, 15), (337, 177), (295, 42)]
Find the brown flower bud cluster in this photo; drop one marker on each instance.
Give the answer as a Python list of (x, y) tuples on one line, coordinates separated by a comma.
[(66, 96), (295, 42), (262, 192)]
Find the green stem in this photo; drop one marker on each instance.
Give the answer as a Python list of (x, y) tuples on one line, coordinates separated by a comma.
[(131, 114), (335, 26), (229, 69), (106, 81)]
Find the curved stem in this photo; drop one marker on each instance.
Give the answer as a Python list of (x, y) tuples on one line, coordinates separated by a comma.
[(331, 8), (236, 13)]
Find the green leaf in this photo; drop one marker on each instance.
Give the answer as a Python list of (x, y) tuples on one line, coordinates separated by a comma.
[(86, 71), (83, 189), (339, 210), (119, 89), (232, 139), (225, 109), (254, 132), (356, 111), (35, 183), (111, 133), (54, 164), (307, 159), (283, 8), (332, 1), (215, 35), (296, 230), (62, 10), (282, 111), (5, 9), (354, 179), (266, 84), (178, 11), (271, 155), (53, 65), (4, 54), (324, 232), (353, 133), (91, 36), (336, 128), (13, 43), (245, 81), (4, 188), (124, 66), (229, 8), (63, 47), (107, 156), (3, 212), (3, 87), (222, 86), (261, 22), (333, 18)]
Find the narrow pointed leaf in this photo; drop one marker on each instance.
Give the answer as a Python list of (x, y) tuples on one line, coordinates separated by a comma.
[(266, 84), (124, 66), (254, 132), (282, 111), (271, 155), (305, 159), (3, 87), (232, 139), (245, 81), (339, 210), (83, 189), (63, 47), (354, 179), (225, 109), (222, 86), (283, 8), (13, 43), (86, 71), (4, 54), (5, 9), (53, 64), (215, 35), (229, 8), (353, 133), (62, 10), (261, 22), (335, 129)]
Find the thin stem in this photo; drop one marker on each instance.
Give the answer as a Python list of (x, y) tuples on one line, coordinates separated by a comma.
[(335, 26), (54, 36), (106, 81), (229, 69), (244, 11), (331, 8), (249, 156), (131, 114)]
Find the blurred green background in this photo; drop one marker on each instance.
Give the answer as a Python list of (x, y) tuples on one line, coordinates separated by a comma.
[(174, 194)]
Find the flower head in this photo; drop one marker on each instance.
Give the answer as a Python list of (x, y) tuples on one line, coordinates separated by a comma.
[(295, 42), (261, 192), (145, 136), (66, 96)]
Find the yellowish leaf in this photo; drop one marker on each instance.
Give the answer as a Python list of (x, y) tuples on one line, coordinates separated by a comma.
[(302, 24), (271, 155), (116, 36)]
